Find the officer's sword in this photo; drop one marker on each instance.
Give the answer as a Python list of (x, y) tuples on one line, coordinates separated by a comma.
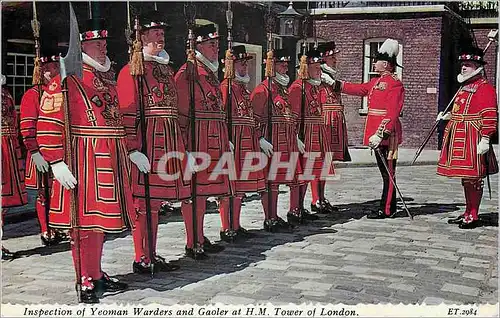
[(377, 150)]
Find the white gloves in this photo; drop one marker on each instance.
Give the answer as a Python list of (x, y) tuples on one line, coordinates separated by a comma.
[(193, 167), (483, 146), (141, 161), (41, 164), (374, 141), (62, 174), (266, 147), (442, 116), (300, 145), (231, 146)]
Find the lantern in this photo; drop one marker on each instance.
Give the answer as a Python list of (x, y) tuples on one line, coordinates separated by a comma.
[(289, 22)]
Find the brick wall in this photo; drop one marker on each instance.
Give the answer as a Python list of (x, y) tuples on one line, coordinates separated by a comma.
[(421, 40), (490, 56)]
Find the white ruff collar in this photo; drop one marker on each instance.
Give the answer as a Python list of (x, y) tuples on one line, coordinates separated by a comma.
[(463, 78), (282, 79), (162, 57), (242, 79), (326, 78), (314, 82), (213, 66), (91, 62), (4, 79), (334, 73)]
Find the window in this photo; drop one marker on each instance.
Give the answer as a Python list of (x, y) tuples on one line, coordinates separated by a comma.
[(19, 74), (254, 65), (371, 48), (277, 41)]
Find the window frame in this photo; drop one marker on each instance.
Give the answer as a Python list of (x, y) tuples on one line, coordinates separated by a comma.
[(257, 50), (367, 66), (11, 78)]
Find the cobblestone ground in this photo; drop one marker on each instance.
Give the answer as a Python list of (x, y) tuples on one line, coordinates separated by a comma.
[(343, 258)]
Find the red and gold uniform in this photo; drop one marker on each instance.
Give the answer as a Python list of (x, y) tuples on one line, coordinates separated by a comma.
[(30, 106), (211, 137), (473, 117), (13, 188), (284, 140), (100, 164), (245, 140), (385, 103), (334, 119), (99, 151), (163, 136), (316, 136)]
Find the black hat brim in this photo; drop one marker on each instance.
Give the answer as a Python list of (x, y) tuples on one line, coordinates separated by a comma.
[(376, 58)]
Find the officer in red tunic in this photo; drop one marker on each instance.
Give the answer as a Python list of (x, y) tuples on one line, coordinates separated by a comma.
[(211, 135), (333, 114), (36, 165), (245, 141), (284, 142), (13, 188), (316, 149), (383, 127), (163, 136), (100, 167), (467, 152)]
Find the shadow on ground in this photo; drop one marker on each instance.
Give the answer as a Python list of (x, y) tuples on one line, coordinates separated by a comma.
[(238, 256)]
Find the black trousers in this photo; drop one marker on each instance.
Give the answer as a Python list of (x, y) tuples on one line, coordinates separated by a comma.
[(388, 200)]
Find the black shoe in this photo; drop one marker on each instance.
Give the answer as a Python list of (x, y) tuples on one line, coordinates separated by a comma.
[(316, 209), (470, 225), (107, 283), (328, 208), (306, 215), (377, 215), (456, 220), (141, 268), (196, 254), (270, 226), (166, 209), (161, 265), (88, 297), (8, 255), (229, 236), (56, 238), (295, 217), (211, 248), (242, 232)]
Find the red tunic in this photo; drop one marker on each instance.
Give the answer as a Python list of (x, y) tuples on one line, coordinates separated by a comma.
[(210, 126), (30, 105), (333, 114), (13, 189), (284, 127), (316, 138), (385, 102), (474, 115), (163, 133), (244, 136), (99, 152)]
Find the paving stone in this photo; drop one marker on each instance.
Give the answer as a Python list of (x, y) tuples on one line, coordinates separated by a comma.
[(426, 261), (444, 269), (475, 276), (409, 288), (357, 264), (307, 275), (312, 285), (460, 289)]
